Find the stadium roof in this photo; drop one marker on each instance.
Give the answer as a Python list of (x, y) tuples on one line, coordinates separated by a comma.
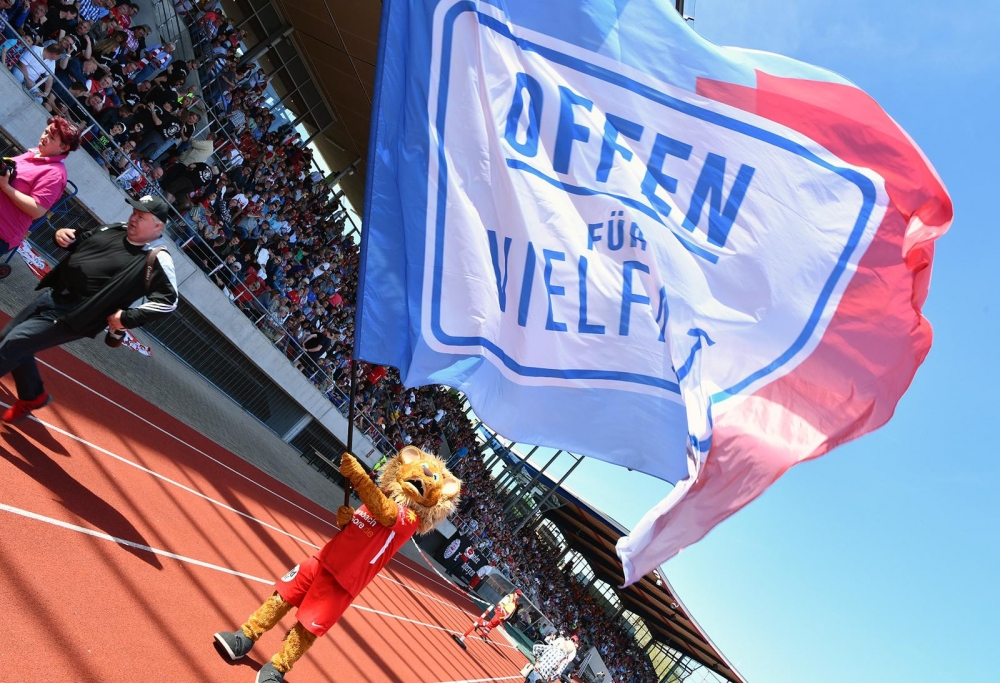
[(339, 40), (594, 535)]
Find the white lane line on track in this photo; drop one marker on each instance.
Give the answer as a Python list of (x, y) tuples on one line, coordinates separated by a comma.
[(488, 680), (131, 544), (180, 440), (444, 579), (179, 485), (207, 565)]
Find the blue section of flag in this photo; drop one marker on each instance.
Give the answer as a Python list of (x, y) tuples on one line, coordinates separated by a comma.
[(392, 255), (584, 421)]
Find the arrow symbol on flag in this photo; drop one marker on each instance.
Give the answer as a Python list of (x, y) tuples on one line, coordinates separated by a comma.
[(699, 334)]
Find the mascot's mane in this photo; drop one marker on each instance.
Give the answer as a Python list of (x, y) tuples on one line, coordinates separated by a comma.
[(390, 484)]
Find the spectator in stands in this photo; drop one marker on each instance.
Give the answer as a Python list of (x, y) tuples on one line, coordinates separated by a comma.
[(124, 13), (200, 150), (93, 10), (34, 68), (14, 13), (39, 181), (155, 59), (35, 23)]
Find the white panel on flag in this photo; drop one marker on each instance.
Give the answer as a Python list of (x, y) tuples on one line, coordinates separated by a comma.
[(572, 202)]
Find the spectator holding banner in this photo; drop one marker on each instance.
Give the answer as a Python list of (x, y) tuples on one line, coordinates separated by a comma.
[(34, 181)]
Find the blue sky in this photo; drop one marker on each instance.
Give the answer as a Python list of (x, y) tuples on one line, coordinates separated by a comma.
[(878, 562)]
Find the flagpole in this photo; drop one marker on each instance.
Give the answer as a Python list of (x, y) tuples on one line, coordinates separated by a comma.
[(366, 216), (350, 425)]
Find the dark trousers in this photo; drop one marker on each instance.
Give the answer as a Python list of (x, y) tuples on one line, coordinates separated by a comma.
[(32, 330), (175, 172), (149, 144)]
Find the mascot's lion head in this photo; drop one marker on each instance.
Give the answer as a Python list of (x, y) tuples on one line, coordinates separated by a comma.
[(421, 482)]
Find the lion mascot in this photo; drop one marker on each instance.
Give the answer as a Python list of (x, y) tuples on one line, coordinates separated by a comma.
[(415, 492)]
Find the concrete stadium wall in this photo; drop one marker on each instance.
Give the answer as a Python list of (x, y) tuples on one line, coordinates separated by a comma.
[(23, 121)]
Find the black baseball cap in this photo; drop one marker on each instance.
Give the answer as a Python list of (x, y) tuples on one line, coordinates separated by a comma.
[(153, 205)]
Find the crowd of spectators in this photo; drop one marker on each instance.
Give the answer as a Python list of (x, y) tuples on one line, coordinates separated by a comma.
[(528, 560), (261, 220)]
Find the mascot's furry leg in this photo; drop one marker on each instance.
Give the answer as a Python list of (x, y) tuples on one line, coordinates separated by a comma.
[(266, 617), (297, 643)]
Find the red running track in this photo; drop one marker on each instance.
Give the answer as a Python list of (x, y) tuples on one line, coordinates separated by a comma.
[(201, 534)]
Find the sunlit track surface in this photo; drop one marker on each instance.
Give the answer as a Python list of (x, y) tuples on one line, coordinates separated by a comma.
[(127, 539)]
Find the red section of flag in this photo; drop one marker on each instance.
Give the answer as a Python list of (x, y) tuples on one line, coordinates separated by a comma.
[(852, 381)]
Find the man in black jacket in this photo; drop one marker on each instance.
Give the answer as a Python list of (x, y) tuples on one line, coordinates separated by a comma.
[(92, 288)]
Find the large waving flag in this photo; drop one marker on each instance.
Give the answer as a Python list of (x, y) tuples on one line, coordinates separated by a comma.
[(616, 238)]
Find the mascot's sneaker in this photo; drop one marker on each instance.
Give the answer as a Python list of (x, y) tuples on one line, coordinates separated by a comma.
[(268, 674), (21, 409), (235, 643)]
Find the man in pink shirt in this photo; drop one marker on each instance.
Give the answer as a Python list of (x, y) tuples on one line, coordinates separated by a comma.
[(38, 182)]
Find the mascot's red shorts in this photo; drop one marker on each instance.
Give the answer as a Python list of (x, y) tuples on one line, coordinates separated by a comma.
[(320, 599)]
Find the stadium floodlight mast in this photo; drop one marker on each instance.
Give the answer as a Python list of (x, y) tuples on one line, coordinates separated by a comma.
[(686, 8)]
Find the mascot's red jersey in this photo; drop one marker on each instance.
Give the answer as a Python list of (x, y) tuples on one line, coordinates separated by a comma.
[(358, 552)]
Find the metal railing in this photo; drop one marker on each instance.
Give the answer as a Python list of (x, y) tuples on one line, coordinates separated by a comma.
[(168, 24)]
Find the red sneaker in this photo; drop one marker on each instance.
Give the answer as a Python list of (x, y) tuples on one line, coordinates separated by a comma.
[(21, 409)]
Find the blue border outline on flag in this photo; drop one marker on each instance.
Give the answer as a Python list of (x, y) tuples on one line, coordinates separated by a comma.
[(867, 188)]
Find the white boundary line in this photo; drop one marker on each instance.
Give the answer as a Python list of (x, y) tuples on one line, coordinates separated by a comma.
[(179, 485), (131, 544), (207, 565), (488, 680), (180, 440), (222, 505), (420, 592)]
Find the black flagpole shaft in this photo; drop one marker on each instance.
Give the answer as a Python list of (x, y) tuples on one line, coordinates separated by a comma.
[(350, 425)]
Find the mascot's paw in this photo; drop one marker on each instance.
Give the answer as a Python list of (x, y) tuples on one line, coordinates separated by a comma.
[(351, 468), (344, 515)]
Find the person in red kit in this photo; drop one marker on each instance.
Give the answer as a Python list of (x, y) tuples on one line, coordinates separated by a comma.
[(415, 492), (502, 611)]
